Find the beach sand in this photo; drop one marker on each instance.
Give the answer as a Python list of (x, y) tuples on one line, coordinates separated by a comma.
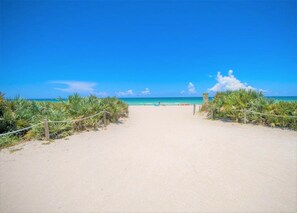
[(159, 159)]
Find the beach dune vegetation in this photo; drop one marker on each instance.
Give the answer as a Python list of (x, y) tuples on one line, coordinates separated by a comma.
[(251, 106), (20, 113)]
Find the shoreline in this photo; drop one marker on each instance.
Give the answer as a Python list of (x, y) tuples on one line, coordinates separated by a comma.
[(138, 101)]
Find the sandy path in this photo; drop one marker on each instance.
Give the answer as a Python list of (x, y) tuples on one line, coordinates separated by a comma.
[(160, 159)]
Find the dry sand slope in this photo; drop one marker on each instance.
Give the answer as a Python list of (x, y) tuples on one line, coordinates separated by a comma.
[(160, 159)]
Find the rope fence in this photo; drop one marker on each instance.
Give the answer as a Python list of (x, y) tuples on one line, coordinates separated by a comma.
[(46, 122), (79, 119), (245, 111), (46, 126), (20, 130), (259, 113)]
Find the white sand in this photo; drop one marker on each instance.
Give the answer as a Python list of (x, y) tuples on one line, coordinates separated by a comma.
[(160, 159)]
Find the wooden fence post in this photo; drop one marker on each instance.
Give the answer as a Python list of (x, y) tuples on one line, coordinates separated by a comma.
[(194, 109), (46, 130), (205, 98), (104, 119), (212, 114), (244, 118)]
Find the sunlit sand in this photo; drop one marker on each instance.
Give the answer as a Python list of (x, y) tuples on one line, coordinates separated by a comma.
[(159, 159)]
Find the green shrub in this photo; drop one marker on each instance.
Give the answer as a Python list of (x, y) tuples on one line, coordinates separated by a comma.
[(230, 105), (20, 113)]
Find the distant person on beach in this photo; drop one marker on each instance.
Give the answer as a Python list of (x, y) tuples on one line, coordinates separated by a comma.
[(159, 103)]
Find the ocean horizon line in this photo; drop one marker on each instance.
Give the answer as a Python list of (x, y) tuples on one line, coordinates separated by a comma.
[(167, 100), (152, 97)]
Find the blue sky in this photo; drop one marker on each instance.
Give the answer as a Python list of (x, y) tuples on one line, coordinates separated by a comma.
[(147, 48)]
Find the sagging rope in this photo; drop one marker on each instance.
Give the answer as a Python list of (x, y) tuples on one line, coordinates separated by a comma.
[(259, 113), (79, 119), (20, 130), (65, 121)]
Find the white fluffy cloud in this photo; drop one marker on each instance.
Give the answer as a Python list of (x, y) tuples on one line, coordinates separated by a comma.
[(183, 92), (76, 86), (228, 83), (191, 88), (79, 87), (146, 91), (125, 93)]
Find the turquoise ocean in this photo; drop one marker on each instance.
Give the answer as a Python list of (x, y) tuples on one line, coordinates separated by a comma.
[(175, 100)]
